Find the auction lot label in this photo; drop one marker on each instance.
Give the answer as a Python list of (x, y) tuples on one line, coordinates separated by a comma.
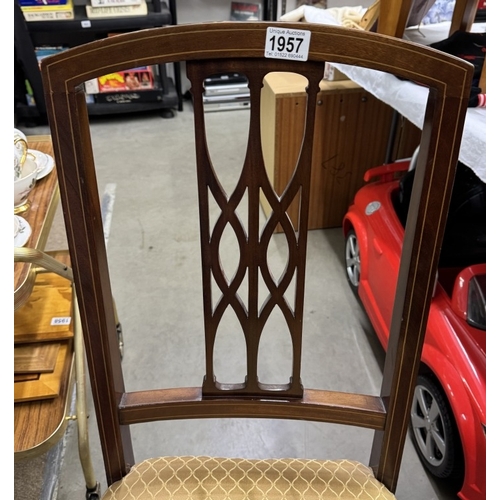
[(282, 43)]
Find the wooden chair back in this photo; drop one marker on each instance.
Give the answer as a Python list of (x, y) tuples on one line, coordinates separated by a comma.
[(225, 47)]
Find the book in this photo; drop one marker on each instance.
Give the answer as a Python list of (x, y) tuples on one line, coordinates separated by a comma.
[(109, 3), (53, 12), (53, 7), (139, 96), (44, 51), (117, 10), (245, 11), (141, 78), (31, 3), (92, 86), (51, 15)]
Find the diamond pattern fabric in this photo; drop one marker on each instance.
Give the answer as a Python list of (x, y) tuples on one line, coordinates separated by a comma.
[(203, 478)]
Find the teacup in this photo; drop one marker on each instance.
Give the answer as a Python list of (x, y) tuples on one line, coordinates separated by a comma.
[(20, 152), (19, 135), (24, 184)]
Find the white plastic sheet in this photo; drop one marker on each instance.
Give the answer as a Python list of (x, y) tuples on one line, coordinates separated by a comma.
[(410, 100), (405, 97)]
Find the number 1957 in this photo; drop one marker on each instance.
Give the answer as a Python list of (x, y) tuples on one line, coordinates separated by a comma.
[(288, 44)]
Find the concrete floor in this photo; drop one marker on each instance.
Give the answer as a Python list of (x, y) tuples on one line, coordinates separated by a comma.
[(153, 253)]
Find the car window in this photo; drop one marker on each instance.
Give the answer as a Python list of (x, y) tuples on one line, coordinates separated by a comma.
[(476, 306)]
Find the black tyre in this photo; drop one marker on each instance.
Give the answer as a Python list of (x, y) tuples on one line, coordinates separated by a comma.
[(352, 260), (434, 431)]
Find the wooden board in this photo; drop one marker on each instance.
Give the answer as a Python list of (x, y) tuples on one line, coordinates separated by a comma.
[(50, 417), (50, 298), (370, 16), (48, 384), (35, 358), (23, 377)]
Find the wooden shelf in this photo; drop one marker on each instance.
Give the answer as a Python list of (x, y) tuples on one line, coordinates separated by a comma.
[(81, 22)]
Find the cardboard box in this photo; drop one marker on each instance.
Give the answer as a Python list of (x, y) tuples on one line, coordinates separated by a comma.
[(332, 74)]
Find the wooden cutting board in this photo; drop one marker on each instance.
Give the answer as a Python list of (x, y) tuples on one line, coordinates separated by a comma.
[(47, 314), (48, 384), (24, 377), (39, 357)]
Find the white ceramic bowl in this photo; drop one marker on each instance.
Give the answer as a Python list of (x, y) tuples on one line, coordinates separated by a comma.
[(24, 185)]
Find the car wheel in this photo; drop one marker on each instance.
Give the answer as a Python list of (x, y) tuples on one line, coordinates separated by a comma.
[(434, 431), (352, 260)]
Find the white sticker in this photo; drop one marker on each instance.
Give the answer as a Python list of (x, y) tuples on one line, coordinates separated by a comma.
[(282, 43), (86, 23), (61, 321)]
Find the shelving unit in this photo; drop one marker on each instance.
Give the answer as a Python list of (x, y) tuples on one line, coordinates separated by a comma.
[(80, 30)]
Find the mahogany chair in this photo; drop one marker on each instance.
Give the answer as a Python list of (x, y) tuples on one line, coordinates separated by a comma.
[(211, 48)]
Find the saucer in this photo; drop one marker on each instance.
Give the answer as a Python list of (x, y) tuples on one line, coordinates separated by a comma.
[(44, 162), (24, 232)]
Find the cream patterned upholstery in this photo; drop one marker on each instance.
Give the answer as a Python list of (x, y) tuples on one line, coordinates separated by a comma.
[(191, 478)]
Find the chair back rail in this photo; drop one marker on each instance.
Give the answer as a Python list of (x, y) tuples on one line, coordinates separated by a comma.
[(210, 48)]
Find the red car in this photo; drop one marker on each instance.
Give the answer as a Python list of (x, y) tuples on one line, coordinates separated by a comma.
[(448, 414)]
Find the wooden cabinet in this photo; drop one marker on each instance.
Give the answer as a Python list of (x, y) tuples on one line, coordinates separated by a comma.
[(352, 131)]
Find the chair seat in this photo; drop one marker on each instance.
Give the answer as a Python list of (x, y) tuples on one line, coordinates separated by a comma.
[(234, 479)]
